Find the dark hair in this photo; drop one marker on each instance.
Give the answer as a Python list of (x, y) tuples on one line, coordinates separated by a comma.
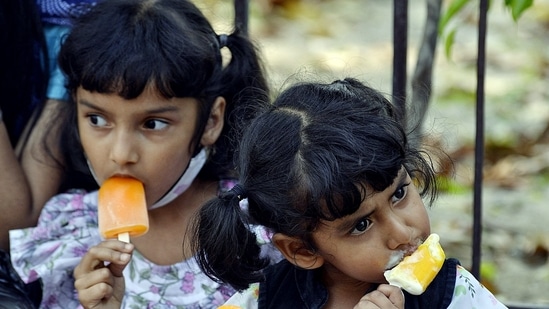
[(315, 154), (124, 46), (23, 65)]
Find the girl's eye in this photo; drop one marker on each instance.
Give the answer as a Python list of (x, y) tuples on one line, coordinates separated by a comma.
[(97, 121), (155, 124), (400, 193), (361, 226)]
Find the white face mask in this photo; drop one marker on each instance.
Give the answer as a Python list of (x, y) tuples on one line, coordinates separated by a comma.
[(182, 184), (185, 181)]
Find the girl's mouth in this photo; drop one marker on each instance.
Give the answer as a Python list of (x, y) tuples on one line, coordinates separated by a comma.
[(394, 259), (397, 256)]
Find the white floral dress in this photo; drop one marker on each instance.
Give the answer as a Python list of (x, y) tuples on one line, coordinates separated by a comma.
[(67, 228)]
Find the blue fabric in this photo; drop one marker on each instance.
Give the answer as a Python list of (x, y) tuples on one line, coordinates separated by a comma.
[(56, 85), (62, 12)]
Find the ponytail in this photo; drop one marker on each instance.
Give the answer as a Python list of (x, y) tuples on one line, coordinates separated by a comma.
[(244, 71), (226, 249), (243, 85)]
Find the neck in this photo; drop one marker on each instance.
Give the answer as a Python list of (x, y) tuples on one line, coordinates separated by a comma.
[(343, 291), (168, 239)]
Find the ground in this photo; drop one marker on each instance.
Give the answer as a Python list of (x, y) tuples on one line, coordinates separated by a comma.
[(331, 39)]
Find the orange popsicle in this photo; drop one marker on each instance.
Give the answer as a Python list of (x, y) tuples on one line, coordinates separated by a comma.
[(122, 209), (415, 272)]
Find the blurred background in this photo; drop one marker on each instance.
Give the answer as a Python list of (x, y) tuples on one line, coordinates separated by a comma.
[(332, 39)]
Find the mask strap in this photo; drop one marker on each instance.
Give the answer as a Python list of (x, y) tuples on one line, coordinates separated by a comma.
[(185, 181), (182, 184)]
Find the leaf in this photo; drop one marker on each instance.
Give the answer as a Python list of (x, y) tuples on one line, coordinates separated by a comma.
[(460, 290), (518, 7), (448, 43), (452, 10)]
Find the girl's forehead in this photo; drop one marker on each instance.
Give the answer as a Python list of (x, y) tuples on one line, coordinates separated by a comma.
[(149, 99)]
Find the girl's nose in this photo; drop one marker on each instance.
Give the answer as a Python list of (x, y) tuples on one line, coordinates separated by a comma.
[(398, 232), (124, 149)]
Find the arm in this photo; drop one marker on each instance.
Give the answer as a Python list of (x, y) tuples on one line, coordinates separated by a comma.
[(14, 190), (28, 182)]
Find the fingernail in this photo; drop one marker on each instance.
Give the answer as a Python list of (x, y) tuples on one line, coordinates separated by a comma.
[(124, 257)]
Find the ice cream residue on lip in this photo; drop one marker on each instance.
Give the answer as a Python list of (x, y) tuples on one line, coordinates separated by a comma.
[(399, 255), (394, 259), (415, 272)]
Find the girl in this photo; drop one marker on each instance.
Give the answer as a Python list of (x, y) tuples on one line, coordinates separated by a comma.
[(342, 191), (153, 100)]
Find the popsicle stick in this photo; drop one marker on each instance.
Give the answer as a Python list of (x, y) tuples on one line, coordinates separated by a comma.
[(125, 237)]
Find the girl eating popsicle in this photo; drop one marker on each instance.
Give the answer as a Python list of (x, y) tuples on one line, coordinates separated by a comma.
[(153, 99), (329, 170)]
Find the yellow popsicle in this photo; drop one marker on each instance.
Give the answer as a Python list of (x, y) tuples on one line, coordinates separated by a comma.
[(122, 209), (415, 272)]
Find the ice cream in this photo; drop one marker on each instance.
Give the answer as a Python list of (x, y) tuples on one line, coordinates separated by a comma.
[(415, 272), (122, 209), (228, 307)]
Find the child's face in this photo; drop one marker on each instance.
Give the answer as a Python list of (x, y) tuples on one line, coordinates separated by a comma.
[(146, 138), (357, 249)]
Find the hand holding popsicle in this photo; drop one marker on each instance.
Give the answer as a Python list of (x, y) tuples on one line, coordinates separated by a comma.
[(415, 272), (99, 278), (385, 296), (122, 209)]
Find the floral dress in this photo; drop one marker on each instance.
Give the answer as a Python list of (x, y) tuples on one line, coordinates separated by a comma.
[(67, 228)]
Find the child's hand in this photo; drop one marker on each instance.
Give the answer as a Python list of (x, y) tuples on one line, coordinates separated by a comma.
[(385, 297), (98, 277)]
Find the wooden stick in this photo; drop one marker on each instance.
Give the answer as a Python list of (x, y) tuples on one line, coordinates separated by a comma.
[(125, 237)]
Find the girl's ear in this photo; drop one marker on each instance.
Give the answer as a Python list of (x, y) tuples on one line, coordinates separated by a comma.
[(295, 252), (215, 123)]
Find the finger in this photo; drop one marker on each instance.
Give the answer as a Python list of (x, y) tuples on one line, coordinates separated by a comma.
[(93, 296), (96, 277), (117, 268), (377, 299), (112, 251), (395, 294)]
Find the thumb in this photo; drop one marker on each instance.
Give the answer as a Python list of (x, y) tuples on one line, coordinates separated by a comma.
[(118, 267)]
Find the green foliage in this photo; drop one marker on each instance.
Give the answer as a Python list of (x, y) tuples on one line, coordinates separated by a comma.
[(516, 7), (447, 184)]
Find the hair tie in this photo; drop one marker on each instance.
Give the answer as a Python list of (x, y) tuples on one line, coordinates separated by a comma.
[(222, 38), (239, 192)]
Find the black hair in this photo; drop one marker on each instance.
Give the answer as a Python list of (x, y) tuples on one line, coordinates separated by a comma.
[(315, 154), (23, 66), (125, 46)]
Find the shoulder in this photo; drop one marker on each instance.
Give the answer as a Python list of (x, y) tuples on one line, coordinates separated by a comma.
[(67, 228), (73, 205), (245, 299), (68, 222), (470, 293)]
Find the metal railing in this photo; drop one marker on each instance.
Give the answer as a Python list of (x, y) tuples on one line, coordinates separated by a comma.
[(400, 47)]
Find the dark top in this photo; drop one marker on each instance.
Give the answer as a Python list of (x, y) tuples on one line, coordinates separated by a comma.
[(287, 286)]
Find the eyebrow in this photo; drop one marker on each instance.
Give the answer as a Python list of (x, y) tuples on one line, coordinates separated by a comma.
[(159, 110), (350, 221), (400, 179), (88, 104)]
